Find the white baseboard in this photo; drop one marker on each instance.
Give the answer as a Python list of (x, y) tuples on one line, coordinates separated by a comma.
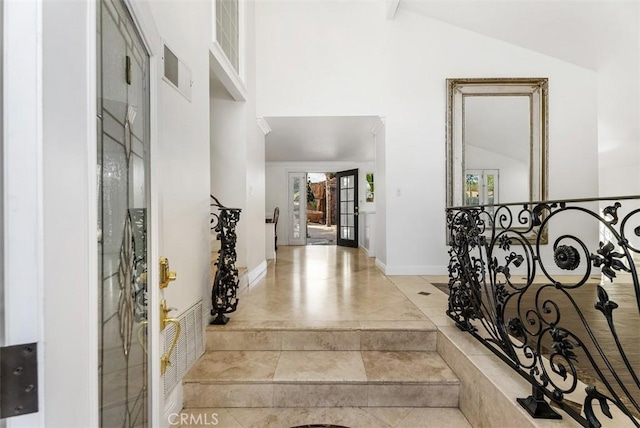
[(416, 270), (172, 406), (243, 280), (370, 253), (257, 272), (411, 270)]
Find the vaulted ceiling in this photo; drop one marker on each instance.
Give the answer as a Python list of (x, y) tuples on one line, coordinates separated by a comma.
[(586, 33), (589, 33)]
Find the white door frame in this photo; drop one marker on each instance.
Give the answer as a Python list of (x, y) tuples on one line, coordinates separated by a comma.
[(22, 169)]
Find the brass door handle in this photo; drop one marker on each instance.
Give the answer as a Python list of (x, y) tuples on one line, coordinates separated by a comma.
[(166, 275), (165, 359), (164, 314), (164, 320)]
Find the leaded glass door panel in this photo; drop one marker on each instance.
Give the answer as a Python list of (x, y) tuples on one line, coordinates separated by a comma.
[(123, 183), (297, 208)]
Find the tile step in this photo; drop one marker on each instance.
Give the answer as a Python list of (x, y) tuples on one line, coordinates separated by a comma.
[(355, 417), (320, 379), (323, 336)]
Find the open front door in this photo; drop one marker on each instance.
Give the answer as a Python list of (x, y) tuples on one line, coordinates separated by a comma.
[(348, 208)]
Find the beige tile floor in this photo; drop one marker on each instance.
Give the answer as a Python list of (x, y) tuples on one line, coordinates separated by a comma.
[(329, 285), (326, 283)]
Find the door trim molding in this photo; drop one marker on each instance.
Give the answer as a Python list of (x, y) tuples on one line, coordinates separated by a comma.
[(23, 185), (92, 211), (145, 23)]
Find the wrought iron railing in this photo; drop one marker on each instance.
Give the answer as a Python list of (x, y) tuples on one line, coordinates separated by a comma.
[(224, 291), (565, 315)]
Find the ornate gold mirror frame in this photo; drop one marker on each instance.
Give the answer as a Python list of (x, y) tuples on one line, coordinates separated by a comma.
[(459, 92)]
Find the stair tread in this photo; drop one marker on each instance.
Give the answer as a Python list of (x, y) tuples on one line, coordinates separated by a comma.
[(372, 417), (248, 325), (340, 367)]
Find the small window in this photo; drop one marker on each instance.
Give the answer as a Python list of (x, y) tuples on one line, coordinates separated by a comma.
[(227, 30), (369, 191)]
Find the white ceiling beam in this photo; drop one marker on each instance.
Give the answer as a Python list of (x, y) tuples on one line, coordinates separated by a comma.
[(392, 8)]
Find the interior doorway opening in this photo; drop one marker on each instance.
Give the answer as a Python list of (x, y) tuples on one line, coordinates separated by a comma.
[(321, 208)]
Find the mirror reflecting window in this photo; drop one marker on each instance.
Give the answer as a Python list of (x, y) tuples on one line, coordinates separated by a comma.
[(497, 141)]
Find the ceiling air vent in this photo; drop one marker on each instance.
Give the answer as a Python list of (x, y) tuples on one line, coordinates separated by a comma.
[(176, 73)]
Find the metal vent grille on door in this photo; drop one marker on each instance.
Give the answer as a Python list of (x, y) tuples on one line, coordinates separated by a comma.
[(189, 348)]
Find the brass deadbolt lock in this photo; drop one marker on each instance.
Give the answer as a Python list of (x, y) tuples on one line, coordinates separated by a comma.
[(166, 275)]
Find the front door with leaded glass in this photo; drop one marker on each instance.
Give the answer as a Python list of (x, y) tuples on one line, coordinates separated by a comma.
[(123, 201)]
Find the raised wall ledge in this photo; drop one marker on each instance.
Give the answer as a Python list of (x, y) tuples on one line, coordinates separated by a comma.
[(223, 70), (488, 387)]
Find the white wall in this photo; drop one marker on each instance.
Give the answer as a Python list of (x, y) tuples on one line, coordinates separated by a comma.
[(228, 151), (255, 181), (237, 156), (619, 114), (344, 58), (277, 179), (183, 152), (619, 120)]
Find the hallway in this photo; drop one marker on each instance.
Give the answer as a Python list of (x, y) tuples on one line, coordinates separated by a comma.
[(325, 338), (325, 283)]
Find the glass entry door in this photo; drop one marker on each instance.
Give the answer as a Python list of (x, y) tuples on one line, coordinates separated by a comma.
[(348, 208), (123, 183), (297, 208)]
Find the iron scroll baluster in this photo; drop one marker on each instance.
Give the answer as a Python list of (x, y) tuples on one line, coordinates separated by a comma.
[(224, 290), (522, 299)]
